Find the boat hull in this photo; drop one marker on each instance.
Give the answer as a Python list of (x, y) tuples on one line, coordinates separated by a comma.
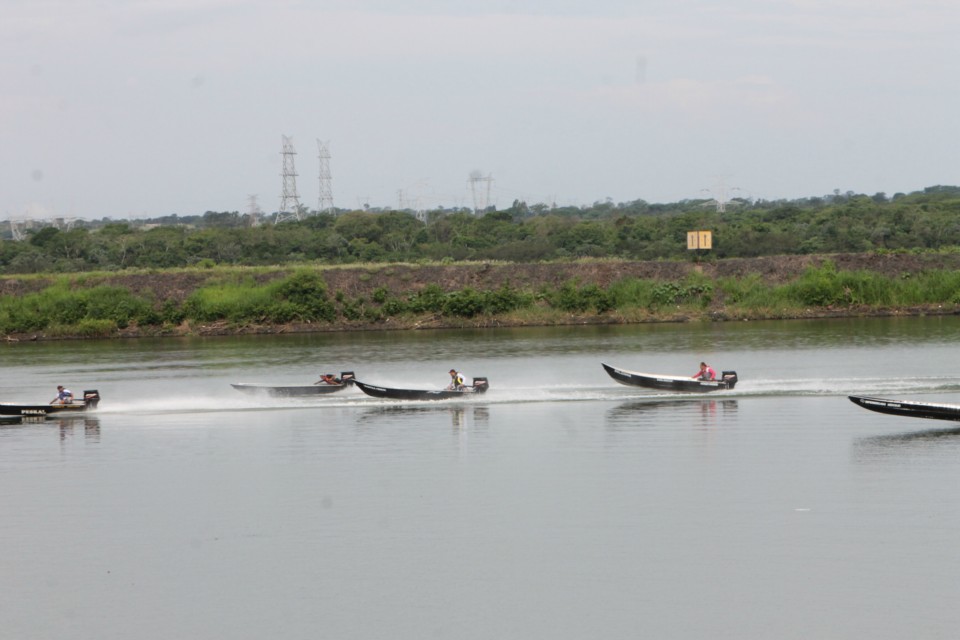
[(907, 408), (293, 391), (288, 391), (422, 394), (671, 383)]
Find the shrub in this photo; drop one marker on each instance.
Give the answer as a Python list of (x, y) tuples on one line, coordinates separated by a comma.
[(696, 291), (303, 288), (96, 328), (429, 299), (87, 328), (235, 301), (465, 304), (631, 292), (300, 297), (65, 305), (394, 307), (506, 299), (570, 298)]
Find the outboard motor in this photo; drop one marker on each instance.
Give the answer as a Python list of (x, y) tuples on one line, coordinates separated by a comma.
[(730, 378), (480, 385), (347, 377), (91, 398)]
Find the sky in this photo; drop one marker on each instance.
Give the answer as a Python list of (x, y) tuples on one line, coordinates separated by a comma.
[(144, 108)]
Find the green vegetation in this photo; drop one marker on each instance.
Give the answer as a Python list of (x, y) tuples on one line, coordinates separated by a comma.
[(231, 274), (63, 308), (86, 307), (839, 223)]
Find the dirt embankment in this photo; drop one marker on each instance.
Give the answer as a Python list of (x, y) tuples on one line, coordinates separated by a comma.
[(363, 281), (357, 282)]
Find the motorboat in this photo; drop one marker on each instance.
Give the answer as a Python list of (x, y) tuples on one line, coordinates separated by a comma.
[(727, 380), (89, 402), (319, 388), (479, 386)]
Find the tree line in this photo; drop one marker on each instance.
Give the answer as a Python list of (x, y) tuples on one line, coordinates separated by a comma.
[(637, 230)]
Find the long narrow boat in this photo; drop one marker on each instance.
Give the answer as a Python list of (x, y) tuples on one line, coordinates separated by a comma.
[(909, 408), (728, 380), (89, 402), (480, 385), (319, 388)]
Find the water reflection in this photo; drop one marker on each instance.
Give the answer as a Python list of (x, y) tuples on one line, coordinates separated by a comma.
[(10, 422), (707, 409), (459, 414), (910, 446), (67, 426), (911, 438)]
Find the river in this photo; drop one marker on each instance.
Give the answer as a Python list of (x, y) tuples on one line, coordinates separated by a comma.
[(558, 505)]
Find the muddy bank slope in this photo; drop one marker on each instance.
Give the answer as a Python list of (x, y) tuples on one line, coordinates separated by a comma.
[(361, 281), (177, 285)]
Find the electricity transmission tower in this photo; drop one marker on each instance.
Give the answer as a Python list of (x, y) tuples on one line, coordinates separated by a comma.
[(325, 202), (16, 229), (289, 200), (254, 212), (481, 200), (721, 195), (19, 228)]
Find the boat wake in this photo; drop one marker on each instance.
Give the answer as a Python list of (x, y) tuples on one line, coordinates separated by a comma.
[(505, 395), (847, 386)]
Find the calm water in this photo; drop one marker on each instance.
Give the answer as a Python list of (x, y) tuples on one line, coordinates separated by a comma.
[(559, 505)]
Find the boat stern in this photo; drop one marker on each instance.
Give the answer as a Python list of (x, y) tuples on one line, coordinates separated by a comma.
[(91, 398), (729, 378)]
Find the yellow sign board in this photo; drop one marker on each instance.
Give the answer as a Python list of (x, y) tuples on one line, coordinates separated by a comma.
[(699, 240)]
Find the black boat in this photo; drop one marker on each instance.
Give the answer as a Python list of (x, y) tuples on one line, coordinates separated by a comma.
[(909, 408), (728, 380), (480, 385), (316, 389), (89, 402)]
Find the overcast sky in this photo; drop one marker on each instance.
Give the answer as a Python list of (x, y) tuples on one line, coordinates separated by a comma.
[(131, 108)]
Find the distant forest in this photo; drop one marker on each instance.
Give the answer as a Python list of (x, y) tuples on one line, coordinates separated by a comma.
[(839, 223)]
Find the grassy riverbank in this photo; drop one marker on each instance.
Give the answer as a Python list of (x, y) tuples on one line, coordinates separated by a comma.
[(231, 300)]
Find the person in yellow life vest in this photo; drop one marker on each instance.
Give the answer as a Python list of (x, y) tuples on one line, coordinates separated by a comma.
[(456, 381)]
